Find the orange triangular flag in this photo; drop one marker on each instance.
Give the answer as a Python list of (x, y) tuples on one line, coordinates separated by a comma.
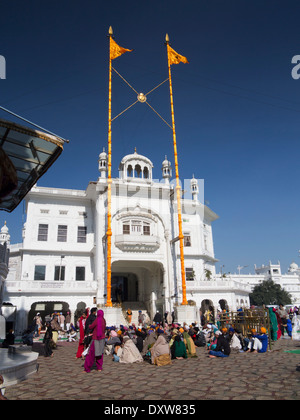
[(115, 50), (175, 58)]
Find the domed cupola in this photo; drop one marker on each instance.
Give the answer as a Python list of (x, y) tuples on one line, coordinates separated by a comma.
[(4, 235), (293, 268), (135, 167), (194, 188), (166, 170), (103, 164)]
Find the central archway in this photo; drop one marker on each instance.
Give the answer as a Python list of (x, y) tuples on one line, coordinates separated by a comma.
[(140, 282)]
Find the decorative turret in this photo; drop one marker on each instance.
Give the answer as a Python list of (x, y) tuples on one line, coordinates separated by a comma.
[(166, 170), (194, 188), (103, 164), (4, 235)]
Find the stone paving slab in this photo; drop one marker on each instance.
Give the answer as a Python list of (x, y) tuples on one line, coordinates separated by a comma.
[(242, 376)]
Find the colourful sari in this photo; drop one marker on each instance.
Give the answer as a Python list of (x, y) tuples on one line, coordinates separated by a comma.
[(80, 349)]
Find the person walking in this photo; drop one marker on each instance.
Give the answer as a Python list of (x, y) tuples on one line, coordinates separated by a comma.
[(96, 349), (55, 329)]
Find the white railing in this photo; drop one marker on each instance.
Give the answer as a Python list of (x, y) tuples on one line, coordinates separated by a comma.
[(218, 284), (43, 286)]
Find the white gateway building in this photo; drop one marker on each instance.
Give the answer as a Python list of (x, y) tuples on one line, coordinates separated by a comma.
[(61, 264)]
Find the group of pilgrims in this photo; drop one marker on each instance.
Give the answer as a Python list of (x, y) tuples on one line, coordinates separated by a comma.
[(157, 343)]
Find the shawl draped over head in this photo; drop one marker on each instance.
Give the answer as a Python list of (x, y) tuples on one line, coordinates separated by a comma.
[(101, 324), (178, 348), (160, 348), (190, 346), (130, 353), (148, 342)]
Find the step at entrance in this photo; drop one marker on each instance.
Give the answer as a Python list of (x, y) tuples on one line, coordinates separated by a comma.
[(135, 308)]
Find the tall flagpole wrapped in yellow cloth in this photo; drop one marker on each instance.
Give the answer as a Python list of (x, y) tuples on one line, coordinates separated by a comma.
[(114, 51), (175, 58)]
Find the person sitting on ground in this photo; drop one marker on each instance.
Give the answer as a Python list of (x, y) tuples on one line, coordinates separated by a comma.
[(174, 333), (189, 343), (222, 349), (200, 339), (243, 341), (160, 352), (178, 349), (112, 340), (130, 353), (212, 344), (117, 353), (208, 332), (234, 341), (258, 343), (149, 341)]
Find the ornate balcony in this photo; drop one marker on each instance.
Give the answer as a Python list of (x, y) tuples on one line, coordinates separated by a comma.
[(137, 243)]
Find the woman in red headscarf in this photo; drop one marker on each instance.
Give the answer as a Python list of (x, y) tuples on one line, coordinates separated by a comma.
[(96, 349)]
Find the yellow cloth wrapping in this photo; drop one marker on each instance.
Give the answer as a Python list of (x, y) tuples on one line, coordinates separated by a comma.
[(163, 360)]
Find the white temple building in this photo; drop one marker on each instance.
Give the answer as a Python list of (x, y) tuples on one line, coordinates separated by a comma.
[(61, 264)]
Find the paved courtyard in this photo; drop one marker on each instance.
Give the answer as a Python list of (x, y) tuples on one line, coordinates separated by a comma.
[(271, 376)]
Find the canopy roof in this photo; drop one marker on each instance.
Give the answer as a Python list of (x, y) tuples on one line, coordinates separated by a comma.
[(25, 155)]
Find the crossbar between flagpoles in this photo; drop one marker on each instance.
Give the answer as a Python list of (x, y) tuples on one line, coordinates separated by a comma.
[(148, 93)]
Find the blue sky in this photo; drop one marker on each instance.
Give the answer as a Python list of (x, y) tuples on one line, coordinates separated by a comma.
[(236, 104)]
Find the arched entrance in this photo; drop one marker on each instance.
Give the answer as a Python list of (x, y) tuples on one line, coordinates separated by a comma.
[(142, 283), (207, 311), (46, 309), (223, 305)]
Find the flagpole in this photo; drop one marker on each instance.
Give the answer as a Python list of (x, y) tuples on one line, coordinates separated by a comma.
[(181, 236), (109, 232)]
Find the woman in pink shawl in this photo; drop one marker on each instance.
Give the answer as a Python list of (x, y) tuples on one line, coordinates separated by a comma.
[(96, 349)]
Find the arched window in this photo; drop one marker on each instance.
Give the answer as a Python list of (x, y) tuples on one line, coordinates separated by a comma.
[(137, 171), (146, 172), (129, 171)]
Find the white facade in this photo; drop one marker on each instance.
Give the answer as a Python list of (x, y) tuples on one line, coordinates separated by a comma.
[(63, 256), (289, 281)]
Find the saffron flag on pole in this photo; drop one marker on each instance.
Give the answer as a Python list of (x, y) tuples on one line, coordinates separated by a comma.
[(115, 50), (175, 58)]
